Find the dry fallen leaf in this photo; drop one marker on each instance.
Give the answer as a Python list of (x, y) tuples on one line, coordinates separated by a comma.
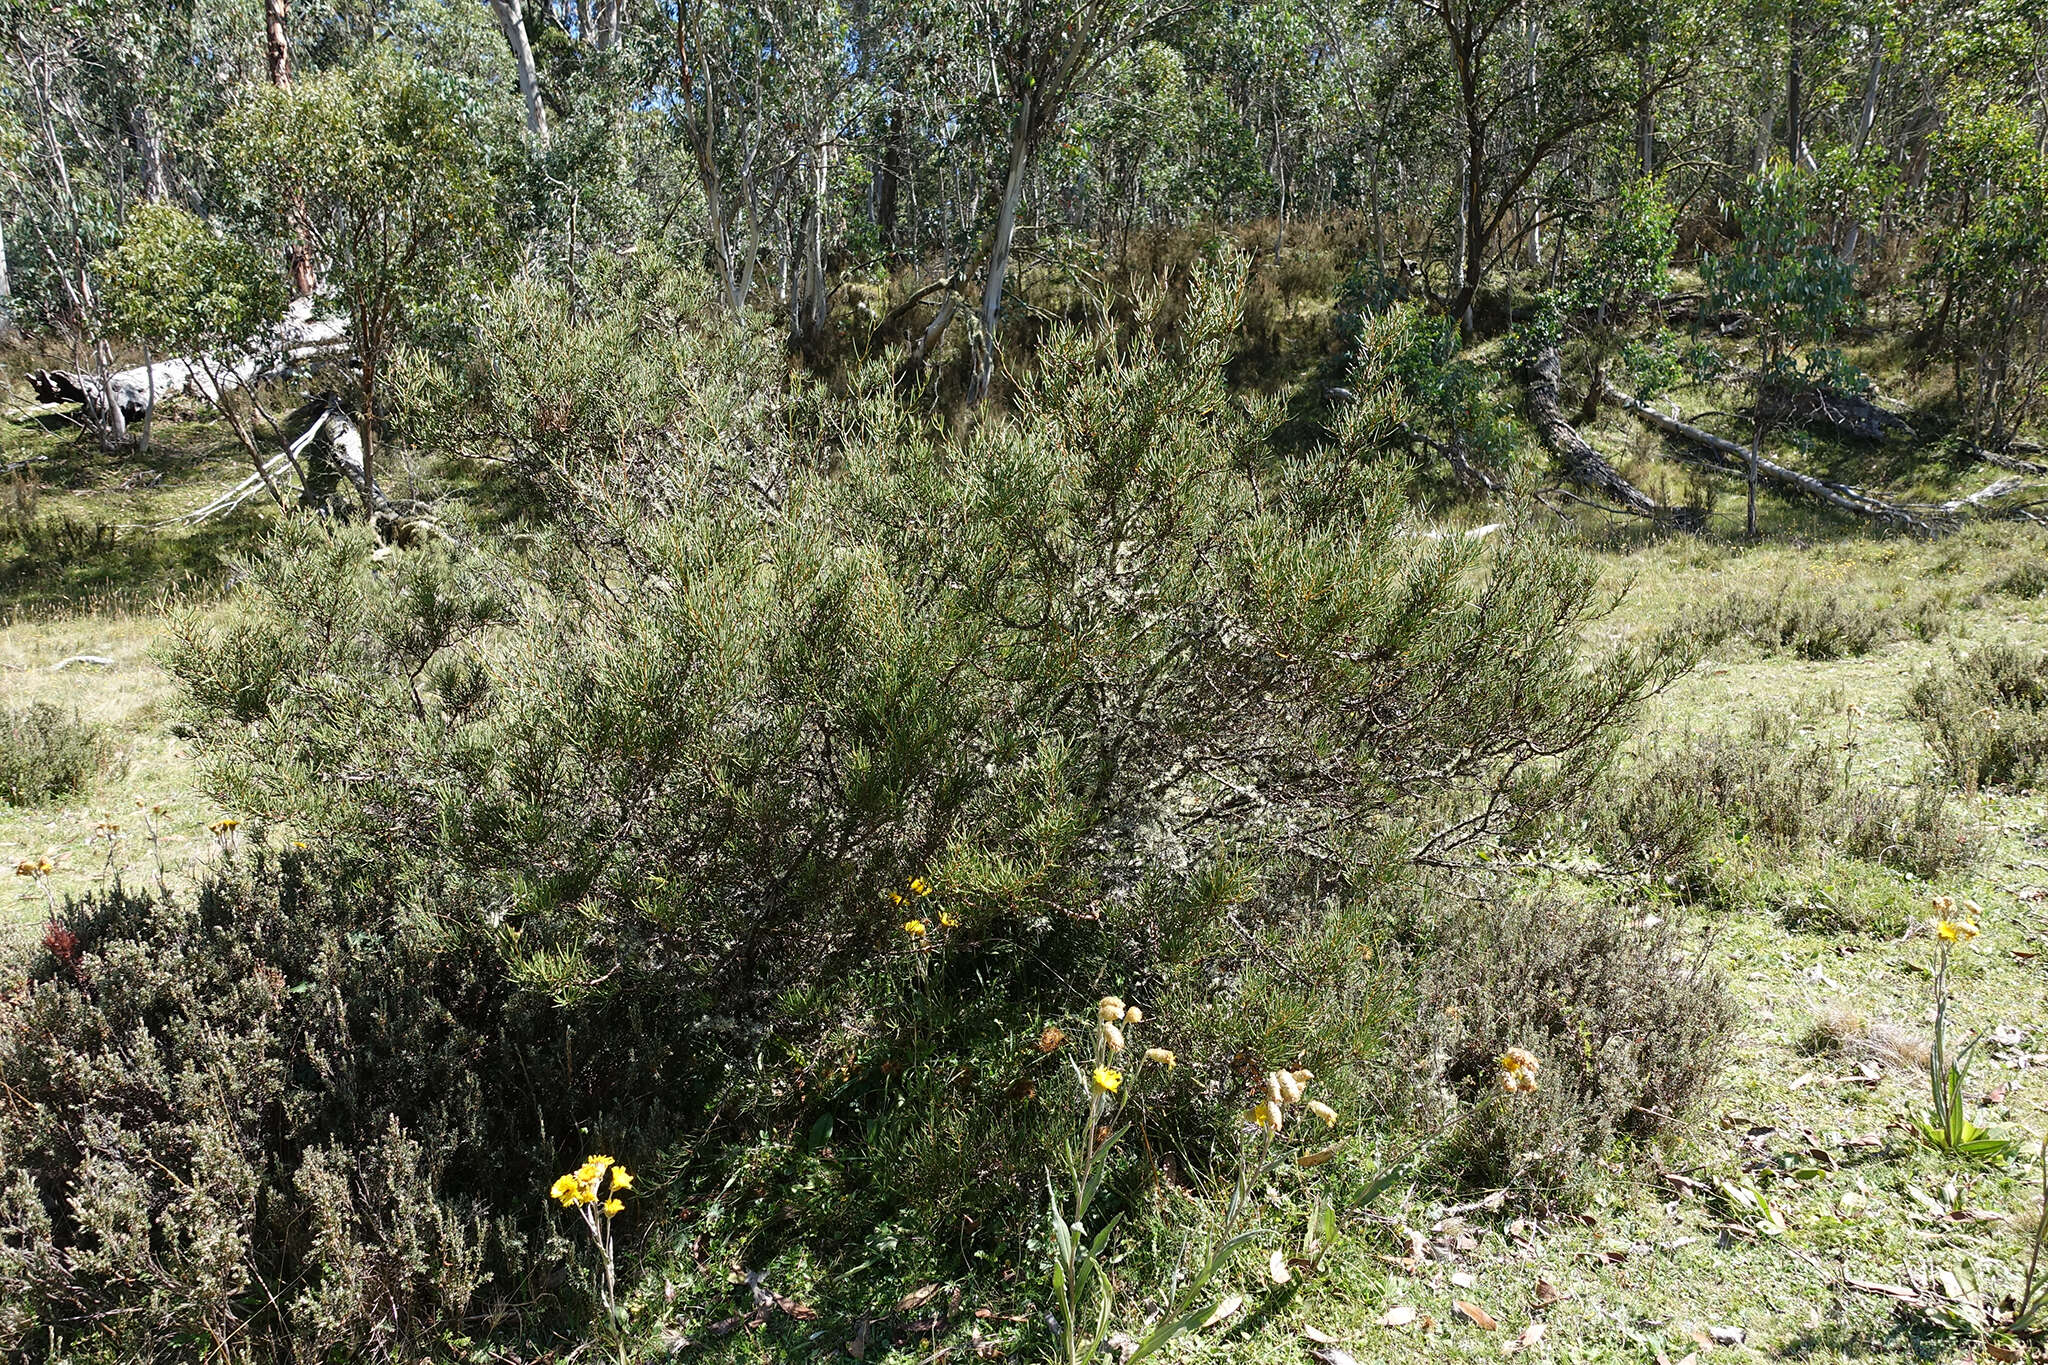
[(917, 1298), (1546, 1292), (1335, 1355), (1319, 1336), (1528, 1337), (1893, 1291), (1400, 1315), (1479, 1316), (1464, 1279), (1223, 1310), (1277, 1267)]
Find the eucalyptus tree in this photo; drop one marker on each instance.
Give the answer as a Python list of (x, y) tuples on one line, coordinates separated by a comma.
[(1990, 258), (1531, 77), (759, 97), (179, 287), (391, 181), (1041, 54), (1791, 288)]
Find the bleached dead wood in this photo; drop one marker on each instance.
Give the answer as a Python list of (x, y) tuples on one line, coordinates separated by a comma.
[(2000, 459), (291, 455), (300, 337), (1733, 457)]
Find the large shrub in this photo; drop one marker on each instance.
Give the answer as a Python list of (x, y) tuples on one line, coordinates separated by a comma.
[(1150, 708)]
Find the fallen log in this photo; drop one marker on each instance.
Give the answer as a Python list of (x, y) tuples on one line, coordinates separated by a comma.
[(255, 483), (332, 446), (1983, 497), (1583, 465), (1999, 459), (300, 336), (1734, 458)]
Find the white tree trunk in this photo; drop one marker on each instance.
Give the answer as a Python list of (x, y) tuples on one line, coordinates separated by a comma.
[(149, 150), (1863, 125), (6, 290), (513, 22), (999, 252)]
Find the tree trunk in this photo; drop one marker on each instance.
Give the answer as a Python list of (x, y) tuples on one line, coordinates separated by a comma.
[(1372, 188), (1583, 465), (277, 54), (999, 252), (277, 50), (1768, 124), (1646, 127), (1471, 232), (512, 21), (149, 152), (1794, 114), (813, 298), (1864, 122), (1756, 453), (6, 290), (889, 179)]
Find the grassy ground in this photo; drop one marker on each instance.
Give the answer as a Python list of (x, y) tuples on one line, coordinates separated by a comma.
[(89, 566), (1668, 1264)]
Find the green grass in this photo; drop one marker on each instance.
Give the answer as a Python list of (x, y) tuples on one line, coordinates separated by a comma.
[(89, 566)]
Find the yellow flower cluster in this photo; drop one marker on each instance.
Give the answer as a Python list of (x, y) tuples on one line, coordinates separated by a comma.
[(583, 1185), (1518, 1068), (916, 926), (225, 826), (1955, 921), (34, 867), (1112, 1017), (1285, 1088)]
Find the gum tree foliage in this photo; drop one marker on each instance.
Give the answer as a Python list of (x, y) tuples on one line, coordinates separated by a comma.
[(1624, 268), (396, 189), (1991, 262), (1413, 393), (1792, 289), (181, 288)]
